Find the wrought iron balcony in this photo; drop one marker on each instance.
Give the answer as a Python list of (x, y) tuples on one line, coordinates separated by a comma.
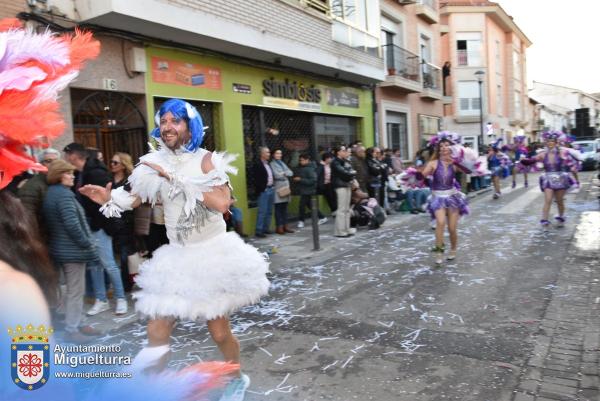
[(432, 81), (402, 69)]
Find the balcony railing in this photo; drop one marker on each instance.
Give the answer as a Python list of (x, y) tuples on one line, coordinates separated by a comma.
[(428, 3), (468, 58), (319, 5), (432, 76), (401, 62)]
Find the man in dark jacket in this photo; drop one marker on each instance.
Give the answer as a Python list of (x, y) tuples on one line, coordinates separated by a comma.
[(359, 164), (306, 178), (94, 172), (263, 185)]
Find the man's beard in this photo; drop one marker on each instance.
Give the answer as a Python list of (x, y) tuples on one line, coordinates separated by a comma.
[(181, 138)]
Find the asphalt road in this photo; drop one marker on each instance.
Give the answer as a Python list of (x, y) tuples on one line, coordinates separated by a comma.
[(376, 320)]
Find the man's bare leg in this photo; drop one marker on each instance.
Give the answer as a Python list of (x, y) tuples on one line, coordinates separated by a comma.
[(220, 330), (156, 355)]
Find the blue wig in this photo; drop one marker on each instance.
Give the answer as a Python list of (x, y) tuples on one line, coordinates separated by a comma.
[(186, 111)]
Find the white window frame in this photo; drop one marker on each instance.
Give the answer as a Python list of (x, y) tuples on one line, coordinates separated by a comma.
[(498, 58), (518, 105), (351, 25), (499, 105), (386, 106), (470, 111), (480, 40), (517, 69)]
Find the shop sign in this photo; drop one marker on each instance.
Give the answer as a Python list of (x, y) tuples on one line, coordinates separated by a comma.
[(242, 88), (166, 71), (292, 90), (291, 104), (343, 98)]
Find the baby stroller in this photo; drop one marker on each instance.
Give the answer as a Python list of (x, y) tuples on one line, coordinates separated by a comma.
[(394, 193), (367, 212)]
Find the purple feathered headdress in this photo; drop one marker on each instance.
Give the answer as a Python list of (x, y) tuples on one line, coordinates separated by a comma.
[(552, 135), (519, 139), (495, 145), (566, 138), (451, 137)]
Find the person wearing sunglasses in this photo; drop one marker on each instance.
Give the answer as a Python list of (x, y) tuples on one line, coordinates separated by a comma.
[(121, 166), (32, 193)]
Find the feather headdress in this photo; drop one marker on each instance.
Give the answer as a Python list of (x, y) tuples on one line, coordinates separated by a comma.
[(451, 137), (552, 135), (34, 68)]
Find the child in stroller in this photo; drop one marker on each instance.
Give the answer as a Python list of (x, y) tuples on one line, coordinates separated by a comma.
[(365, 211)]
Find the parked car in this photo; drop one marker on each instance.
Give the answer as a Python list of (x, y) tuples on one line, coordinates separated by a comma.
[(590, 150)]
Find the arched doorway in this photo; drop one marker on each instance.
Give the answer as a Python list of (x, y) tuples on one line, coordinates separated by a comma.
[(111, 122)]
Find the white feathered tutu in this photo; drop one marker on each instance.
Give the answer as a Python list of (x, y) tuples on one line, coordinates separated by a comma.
[(201, 281), (204, 272)]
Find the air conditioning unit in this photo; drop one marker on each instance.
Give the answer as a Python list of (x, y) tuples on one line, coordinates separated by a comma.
[(137, 59)]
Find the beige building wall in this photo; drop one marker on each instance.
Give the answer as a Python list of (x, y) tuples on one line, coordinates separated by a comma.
[(503, 61), (394, 98)]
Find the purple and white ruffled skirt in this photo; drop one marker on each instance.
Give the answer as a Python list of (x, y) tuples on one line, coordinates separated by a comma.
[(449, 199), (522, 168), (556, 180)]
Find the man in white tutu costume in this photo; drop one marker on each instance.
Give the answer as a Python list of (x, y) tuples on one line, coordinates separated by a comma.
[(204, 272)]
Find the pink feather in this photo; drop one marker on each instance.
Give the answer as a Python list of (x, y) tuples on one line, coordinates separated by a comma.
[(20, 78)]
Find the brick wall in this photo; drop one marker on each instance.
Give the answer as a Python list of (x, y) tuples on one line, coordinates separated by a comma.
[(280, 19)]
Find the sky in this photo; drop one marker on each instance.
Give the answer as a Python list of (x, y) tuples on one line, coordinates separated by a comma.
[(565, 36)]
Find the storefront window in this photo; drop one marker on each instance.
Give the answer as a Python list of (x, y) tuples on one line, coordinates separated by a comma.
[(294, 132), (332, 131)]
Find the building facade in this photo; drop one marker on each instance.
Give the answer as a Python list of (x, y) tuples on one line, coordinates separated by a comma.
[(290, 74), (582, 109), (409, 100), (487, 52)]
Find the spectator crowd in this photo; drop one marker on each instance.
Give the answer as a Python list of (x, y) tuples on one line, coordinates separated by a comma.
[(95, 257)]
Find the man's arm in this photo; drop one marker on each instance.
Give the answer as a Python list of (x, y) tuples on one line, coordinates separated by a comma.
[(219, 198)]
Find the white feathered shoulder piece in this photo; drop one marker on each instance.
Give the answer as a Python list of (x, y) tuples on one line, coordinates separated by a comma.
[(194, 187), (145, 181)]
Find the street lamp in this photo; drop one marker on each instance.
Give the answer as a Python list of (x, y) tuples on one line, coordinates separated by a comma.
[(479, 74)]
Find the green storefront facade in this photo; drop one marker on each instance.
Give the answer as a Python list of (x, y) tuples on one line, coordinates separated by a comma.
[(246, 107)]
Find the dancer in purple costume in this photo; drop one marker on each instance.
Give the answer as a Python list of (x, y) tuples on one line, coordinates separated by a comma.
[(521, 152), (555, 181), (447, 203), (573, 160), (497, 163)]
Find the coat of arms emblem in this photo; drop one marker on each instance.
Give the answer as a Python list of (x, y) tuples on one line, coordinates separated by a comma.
[(30, 356)]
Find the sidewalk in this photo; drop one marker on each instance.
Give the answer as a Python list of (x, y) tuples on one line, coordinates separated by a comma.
[(564, 362)]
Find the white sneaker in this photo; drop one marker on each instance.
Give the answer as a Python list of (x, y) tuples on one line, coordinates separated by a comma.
[(300, 224), (323, 220), (352, 230), (99, 307), (121, 308), (236, 389)]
